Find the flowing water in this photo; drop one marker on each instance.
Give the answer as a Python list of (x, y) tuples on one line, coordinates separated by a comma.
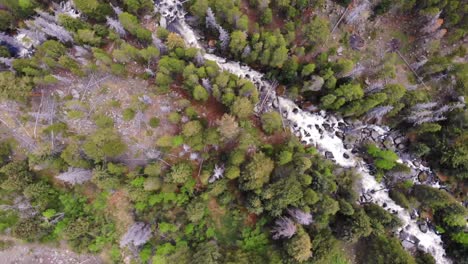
[(317, 129), (320, 130)]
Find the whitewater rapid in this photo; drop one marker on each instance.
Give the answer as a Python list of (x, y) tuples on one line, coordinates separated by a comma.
[(318, 129)]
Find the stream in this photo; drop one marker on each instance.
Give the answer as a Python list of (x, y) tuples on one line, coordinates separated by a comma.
[(327, 132), (320, 130)]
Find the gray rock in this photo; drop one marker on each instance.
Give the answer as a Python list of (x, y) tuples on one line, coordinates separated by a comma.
[(422, 176), (408, 245), (375, 135), (329, 155), (388, 144), (423, 227), (399, 140), (414, 214), (339, 134), (401, 146), (314, 85)]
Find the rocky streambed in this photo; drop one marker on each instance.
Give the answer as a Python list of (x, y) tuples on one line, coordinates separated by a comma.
[(336, 138)]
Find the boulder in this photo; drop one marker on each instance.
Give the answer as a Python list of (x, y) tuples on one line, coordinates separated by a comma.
[(388, 144), (329, 155), (399, 140), (315, 84), (422, 176), (375, 135), (423, 227), (408, 245), (414, 214), (340, 135)]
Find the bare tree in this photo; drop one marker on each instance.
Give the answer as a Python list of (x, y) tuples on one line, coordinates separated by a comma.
[(75, 176), (300, 216), (199, 60), (51, 28), (211, 19), (115, 25), (159, 44), (247, 50), (138, 234), (424, 113), (378, 113), (10, 41), (67, 8), (206, 84), (218, 173), (224, 37), (284, 228), (117, 10)]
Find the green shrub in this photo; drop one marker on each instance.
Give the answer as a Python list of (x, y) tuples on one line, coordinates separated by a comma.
[(154, 122), (174, 117), (128, 114)]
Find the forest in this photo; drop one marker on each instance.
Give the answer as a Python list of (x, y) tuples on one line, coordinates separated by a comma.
[(125, 142)]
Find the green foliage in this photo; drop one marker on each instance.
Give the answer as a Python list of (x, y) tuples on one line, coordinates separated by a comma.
[(200, 93), (28, 229), (242, 108), (154, 122), (103, 121), (15, 176), (86, 36), (271, 122), (131, 24), (5, 152), (317, 30), (128, 114), (299, 247), (137, 6), (15, 88), (180, 172), (382, 250), (192, 128), (257, 172), (383, 159), (103, 144), (72, 155)]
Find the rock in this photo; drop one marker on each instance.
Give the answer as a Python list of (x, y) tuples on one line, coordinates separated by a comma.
[(408, 245), (346, 156), (422, 176), (399, 140), (423, 227), (366, 197), (401, 146), (315, 84), (356, 42), (375, 135), (348, 146), (329, 155), (75, 94), (339, 134), (339, 51), (388, 144), (414, 214)]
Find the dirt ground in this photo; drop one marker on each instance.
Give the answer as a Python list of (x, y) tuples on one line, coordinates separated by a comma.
[(25, 253)]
